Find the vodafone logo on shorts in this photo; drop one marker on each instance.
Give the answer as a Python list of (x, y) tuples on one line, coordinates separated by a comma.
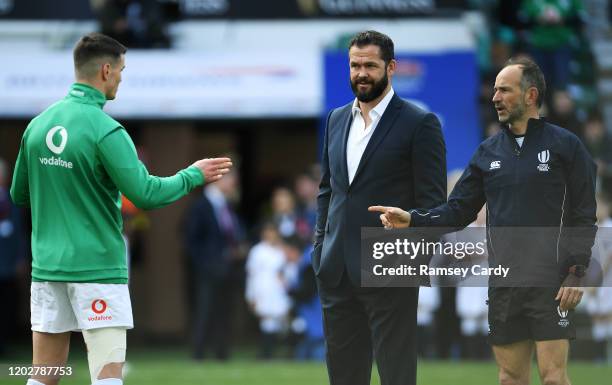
[(99, 306)]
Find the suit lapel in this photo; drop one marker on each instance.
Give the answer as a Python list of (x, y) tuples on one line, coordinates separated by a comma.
[(383, 127), (346, 125)]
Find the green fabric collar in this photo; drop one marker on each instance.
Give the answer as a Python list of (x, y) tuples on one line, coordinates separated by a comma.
[(87, 94)]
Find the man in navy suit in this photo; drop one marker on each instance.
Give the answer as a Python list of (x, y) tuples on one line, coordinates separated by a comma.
[(377, 148), (214, 240)]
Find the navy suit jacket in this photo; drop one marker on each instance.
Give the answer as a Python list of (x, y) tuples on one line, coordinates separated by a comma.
[(208, 247), (403, 165)]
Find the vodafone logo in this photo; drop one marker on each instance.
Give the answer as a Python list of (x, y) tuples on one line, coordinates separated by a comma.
[(98, 306), (63, 133)]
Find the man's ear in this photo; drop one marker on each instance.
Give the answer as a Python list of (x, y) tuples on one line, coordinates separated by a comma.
[(391, 67), (106, 70), (531, 96)]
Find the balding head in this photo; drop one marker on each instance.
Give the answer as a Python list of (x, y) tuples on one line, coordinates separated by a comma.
[(530, 76)]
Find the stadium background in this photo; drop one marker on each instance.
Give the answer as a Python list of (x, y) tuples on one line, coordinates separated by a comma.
[(255, 80)]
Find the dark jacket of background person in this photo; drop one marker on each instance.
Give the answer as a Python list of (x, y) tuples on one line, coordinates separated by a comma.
[(308, 308), (12, 255), (12, 239), (205, 243), (212, 249)]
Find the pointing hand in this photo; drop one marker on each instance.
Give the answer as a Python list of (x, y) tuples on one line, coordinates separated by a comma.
[(392, 217)]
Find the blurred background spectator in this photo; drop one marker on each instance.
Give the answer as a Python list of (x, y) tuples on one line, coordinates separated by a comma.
[(266, 288), (598, 301), (429, 302), (306, 190), (563, 112), (12, 258), (552, 31), (598, 142), (286, 216), (308, 321), (135, 23), (215, 242), (472, 299)]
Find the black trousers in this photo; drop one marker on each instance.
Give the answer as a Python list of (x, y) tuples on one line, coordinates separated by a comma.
[(362, 323), (211, 318)]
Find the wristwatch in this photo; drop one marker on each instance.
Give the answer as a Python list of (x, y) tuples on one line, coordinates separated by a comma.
[(577, 270)]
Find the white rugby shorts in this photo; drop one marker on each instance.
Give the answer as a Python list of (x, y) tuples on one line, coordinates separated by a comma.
[(58, 307)]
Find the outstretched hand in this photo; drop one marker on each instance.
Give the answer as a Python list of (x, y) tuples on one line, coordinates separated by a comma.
[(392, 217), (213, 169)]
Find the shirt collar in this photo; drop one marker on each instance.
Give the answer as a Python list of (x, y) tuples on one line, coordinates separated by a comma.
[(379, 109), (215, 196), (532, 124), (87, 94)]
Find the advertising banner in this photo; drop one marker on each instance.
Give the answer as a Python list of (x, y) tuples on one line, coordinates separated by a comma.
[(164, 84)]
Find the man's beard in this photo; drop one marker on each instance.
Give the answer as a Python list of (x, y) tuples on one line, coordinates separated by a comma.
[(517, 113), (377, 88)]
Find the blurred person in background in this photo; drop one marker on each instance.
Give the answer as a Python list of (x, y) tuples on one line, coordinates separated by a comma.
[(599, 143), (598, 300), (214, 240), (136, 23), (308, 322), (553, 29), (563, 113), (135, 223), (446, 321), (12, 257), (378, 147), (472, 298), (306, 190), (266, 289), (74, 163), (429, 301), (286, 216), (508, 23), (472, 310)]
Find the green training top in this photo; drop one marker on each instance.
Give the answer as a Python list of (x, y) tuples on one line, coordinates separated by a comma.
[(73, 162)]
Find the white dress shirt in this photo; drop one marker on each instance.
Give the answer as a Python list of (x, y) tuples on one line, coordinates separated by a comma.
[(359, 134)]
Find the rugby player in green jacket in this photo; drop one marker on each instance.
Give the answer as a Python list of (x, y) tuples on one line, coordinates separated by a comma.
[(74, 163)]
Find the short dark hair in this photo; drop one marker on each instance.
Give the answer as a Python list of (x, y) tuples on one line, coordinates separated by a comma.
[(95, 46), (532, 76), (384, 42), (294, 241)]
